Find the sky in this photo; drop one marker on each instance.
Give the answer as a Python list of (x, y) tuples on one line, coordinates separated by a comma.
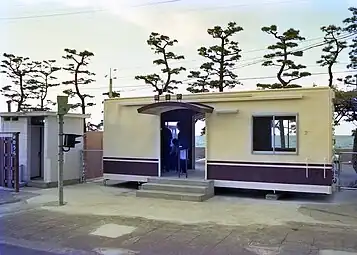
[(116, 32)]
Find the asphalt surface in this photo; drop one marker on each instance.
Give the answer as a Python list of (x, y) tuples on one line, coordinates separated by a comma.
[(6, 249)]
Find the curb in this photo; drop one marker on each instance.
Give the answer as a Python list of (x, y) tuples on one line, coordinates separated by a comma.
[(42, 246), (12, 201)]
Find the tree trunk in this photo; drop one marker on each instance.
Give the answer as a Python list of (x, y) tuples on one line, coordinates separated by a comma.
[(354, 156), (330, 74), (282, 134), (22, 95), (83, 107), (221, 67)]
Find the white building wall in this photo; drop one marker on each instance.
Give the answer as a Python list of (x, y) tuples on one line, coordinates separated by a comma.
[(72, 159), (20, 125)]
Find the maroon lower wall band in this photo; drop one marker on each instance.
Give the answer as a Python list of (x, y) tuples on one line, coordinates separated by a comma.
[(131, 166), (287, 173), (270, 173)]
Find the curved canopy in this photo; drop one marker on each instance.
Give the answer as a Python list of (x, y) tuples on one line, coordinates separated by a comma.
[(165, 106)]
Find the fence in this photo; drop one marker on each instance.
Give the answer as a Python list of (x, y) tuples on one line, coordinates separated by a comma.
[(345, 175), (92, 155), (92, 164), (9, 160)]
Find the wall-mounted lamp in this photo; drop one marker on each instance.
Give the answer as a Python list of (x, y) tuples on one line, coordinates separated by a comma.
[(167, 97), (178, 97)]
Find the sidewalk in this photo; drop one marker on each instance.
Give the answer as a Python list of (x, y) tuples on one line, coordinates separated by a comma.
[(95, 199), (112, 221), (8, 196)]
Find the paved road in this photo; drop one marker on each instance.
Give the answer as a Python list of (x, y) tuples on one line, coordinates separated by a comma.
[(55, 230), (6, 249)]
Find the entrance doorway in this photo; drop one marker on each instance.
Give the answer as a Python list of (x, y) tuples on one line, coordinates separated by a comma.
[(180, 124), (186, 114), (36, 145)]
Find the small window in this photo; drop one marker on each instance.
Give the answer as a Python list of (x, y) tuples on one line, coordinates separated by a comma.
[(36, 121), (11, 118), (274, 134)]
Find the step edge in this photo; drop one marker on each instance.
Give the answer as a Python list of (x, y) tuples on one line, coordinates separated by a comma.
[(171, 193), (173, 185)]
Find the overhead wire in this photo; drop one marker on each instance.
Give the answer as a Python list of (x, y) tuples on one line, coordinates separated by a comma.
[(306, 48), (257, 59), (158, 3), (147, 5), (202, 59), (261, 59), (83, 11), (146, 87)]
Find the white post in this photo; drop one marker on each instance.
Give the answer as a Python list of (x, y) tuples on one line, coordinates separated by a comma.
[(60, 159)]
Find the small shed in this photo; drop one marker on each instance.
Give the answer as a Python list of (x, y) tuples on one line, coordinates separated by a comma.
[(279, 140), (38, 146)]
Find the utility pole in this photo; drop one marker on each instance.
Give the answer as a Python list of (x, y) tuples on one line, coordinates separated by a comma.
[(63, 108), (110, 84), (110, 93)]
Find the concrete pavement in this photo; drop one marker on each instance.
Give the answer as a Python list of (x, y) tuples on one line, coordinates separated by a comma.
[(111, 220), (6, 249), (89, 234), (94, 199)]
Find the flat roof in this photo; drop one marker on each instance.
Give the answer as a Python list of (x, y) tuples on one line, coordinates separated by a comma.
[(229, 96), (231, 93), (42, 114)]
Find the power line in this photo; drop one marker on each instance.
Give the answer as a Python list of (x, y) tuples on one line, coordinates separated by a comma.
[(145, 86), (82, 12), (243, 5), (239, 67), (240, 62), (260, 59), (148, 4), (202, 59)]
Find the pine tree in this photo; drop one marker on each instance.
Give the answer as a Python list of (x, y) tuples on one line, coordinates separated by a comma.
[(160, 44), (41, 82), (334, 46), (351, 80), (78, 63), (222, 59), (18, 69), (202, 79), (283, 52)]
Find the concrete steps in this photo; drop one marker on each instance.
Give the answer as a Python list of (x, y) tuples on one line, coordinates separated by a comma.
[(177, 189)]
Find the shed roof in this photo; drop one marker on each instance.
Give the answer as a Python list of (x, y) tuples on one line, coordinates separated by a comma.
[(42, 114), (161, 107)]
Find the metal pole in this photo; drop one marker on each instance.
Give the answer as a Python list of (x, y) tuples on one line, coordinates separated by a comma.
[(16, 163), (60, 159), (110, 84)]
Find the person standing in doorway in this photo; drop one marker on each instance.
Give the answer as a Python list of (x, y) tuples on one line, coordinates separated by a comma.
[(166, 137), (183, 142)]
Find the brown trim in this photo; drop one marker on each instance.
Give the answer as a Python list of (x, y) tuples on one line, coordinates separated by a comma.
[(160, 107), (270, 174), (131, 159), (131, 168), (219, 162)]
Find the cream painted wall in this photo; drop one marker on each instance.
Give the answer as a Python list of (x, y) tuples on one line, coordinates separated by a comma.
[(72, 159), (128, 134), (21, 125), (229, 136)]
